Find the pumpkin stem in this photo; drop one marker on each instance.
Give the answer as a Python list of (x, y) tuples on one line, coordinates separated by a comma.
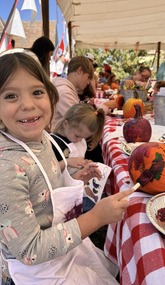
[(136, 95), (138, 110)]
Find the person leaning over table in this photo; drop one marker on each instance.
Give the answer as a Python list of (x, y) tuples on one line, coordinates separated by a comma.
[(141, 77), (42, 241), (80, 73)]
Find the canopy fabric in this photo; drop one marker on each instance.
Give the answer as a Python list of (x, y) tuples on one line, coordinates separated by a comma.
[(119, 24)]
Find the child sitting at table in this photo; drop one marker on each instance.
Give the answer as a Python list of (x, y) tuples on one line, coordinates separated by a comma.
[(80, 125), (43, 233)]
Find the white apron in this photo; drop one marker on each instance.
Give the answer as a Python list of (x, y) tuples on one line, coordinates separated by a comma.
[(94, 189), (75, 150), (84, 264)]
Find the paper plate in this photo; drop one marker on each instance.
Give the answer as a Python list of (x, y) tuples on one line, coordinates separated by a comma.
[(129, 147), (153, 205)]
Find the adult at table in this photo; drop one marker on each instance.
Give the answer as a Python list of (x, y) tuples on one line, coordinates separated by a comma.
[(142, 75)]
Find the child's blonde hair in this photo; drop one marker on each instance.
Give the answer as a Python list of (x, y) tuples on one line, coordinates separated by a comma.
[(88, 115)]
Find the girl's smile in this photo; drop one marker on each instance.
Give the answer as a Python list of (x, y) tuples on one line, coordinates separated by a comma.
[(25, 106)]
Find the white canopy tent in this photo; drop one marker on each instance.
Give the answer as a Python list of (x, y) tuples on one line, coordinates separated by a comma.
[(121, 24)]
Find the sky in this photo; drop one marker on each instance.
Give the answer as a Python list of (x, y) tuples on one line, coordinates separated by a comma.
[(54, 12)]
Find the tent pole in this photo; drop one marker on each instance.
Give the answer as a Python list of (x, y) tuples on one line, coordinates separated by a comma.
[(45, 17), (158, 57), (70, 38)]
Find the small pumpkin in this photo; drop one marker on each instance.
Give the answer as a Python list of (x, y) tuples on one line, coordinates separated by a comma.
[(147, 166), (119, 98), (128, 107), (137, 129), (115, 86), (105, 87)]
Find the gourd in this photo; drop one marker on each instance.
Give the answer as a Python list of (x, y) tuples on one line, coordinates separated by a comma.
[(137, 129), (147, 166), (128, 107)]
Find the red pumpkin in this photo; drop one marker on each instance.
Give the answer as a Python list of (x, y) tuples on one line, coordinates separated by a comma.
[(137, 129), (147, 166)]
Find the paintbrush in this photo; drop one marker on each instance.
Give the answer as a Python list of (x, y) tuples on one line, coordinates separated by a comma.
[(136, 186)]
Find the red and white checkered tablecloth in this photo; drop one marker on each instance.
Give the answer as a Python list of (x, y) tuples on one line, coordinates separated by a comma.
[(133, 243)]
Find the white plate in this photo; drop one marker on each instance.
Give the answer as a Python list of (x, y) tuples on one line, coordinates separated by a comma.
[(153, 205), (129, 147)]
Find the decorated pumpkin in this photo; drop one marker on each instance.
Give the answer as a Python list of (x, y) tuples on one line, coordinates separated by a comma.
[(137, 129), (129, 109), (147, 166)]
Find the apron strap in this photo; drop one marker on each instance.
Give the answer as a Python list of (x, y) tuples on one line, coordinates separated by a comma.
[(56, 145)]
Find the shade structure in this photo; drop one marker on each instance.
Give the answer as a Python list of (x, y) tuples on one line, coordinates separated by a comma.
[(120, 24)]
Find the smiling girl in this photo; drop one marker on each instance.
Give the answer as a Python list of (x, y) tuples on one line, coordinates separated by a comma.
[(43, 234)]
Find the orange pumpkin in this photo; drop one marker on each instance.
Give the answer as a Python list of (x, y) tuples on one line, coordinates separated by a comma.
[(129, 109), (147, 166), (119, 98), (105, 87), (115, 86)]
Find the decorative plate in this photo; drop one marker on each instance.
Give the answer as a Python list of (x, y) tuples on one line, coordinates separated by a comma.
[(156, 203)]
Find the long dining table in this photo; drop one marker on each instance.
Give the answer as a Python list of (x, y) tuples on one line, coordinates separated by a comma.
[(133, 243)]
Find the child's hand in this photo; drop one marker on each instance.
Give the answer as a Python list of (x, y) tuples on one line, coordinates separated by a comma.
[(109, 210), (77, 162), (111, 104), (89, 171)]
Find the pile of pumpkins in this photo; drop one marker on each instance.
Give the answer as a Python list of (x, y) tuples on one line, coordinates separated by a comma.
[(147, 161)]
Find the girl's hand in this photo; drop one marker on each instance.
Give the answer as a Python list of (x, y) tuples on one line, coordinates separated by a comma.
[(77, 162), (89, 171), (110, 209), (106, 211)]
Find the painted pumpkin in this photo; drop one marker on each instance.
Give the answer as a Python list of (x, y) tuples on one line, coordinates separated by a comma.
[(147, 166), (137, 129), (129, 109)]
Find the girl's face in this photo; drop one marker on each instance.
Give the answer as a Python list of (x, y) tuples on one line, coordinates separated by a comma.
[(76, 134), (25, 107)]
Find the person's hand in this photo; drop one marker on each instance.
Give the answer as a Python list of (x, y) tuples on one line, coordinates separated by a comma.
[(77, 162), (106, 211), (111, 104), (110, 209), (89, 171)]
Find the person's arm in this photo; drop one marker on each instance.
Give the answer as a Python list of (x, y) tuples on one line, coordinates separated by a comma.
[(106, 211), (107, 106)]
